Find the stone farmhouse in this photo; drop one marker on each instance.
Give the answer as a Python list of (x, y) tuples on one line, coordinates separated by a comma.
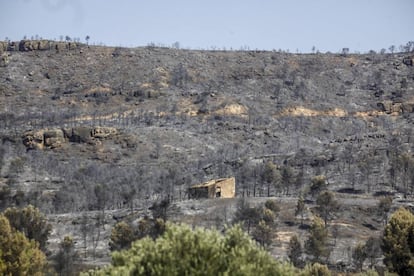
[(216, 188)]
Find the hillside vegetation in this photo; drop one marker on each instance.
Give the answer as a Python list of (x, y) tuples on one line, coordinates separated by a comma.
[(94, 135)]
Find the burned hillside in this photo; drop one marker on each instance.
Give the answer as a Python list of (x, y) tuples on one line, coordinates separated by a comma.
[(91, 128)]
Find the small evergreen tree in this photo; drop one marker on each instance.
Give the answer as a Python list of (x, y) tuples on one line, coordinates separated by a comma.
[(31, 222), (66, 257), (317, 243), (383, 207), (18, 254), (396, 244), (295, 251), (272, 205), (327, 205), (122, 235), (359, 255), (300, 209), (247, 215), (373, 250), (287, 178), (183, 251), (263, 234), (270, 176), (316, 269), (318, 184)]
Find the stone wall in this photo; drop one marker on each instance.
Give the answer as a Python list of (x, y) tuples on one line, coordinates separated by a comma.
[(222, 188), (227, 187)]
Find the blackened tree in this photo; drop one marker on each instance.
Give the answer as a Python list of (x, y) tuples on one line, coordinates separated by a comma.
[(327, 205), (295, 251), (300, 209), (66, 257)]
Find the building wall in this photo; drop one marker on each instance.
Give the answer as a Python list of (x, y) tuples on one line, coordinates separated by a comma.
[(217, 188), (227, 187), (199, 192)]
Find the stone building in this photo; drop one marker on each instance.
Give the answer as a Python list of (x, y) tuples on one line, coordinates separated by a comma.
[(216, 188)]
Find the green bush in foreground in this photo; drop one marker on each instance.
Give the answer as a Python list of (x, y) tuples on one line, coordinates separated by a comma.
[(398, 242), (18, 255), (183, 251)]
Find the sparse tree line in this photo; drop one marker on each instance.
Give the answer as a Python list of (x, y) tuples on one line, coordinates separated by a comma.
[(269, 178), (108, 187), (24, 234), (25, 231), (259, 221), (408, 47)]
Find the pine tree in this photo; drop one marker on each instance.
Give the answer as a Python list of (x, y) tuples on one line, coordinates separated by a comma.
[(358, 256), (287, 178), (31, 222), (18, 255), (300, 209), (295, 251), (122, 236), (271, 176), (66, 257), (373, 250), (317, 243), (396, 246), (183, 251), (318, 184), (247, 215), (383, 207), (327, 205), (263, 234)]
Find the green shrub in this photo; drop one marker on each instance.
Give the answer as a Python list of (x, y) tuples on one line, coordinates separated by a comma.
[(183, 251)]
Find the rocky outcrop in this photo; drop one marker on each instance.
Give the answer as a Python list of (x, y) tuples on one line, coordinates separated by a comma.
[(3, 46), (53, 138), (390, 107), (31, 45), (408, 61), (408, 107), (4, 59), (79, 134), (33, 140), (36, 45), (103, 132), (56, 137)]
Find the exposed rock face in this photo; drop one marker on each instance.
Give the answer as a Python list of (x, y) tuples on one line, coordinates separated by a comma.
[(103, 132), (36, 45), (56, 138), (53, 138), (408, 107), (4, 59), (3, 46), (33, 140), (79, 134), (30, 45), (408, 61), (390, 107)]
